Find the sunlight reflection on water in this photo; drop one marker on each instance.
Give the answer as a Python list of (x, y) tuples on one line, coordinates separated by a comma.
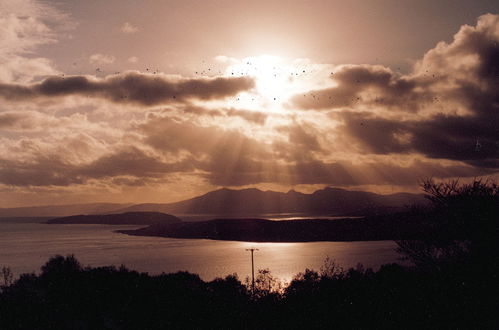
[(26, 246)]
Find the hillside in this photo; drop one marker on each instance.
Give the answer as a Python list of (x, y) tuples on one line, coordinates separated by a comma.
[(129, 218), (333, 201), (61, 210), (245, 202)]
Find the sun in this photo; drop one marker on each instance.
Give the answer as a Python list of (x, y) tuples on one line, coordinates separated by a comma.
[(277, 80), (273, 75)]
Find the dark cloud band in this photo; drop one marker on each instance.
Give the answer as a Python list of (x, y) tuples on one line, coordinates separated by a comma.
[(130, 87)]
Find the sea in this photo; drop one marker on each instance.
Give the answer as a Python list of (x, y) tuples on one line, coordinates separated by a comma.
[(26, 246)]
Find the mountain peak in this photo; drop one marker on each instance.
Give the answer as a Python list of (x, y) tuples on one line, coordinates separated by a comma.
[(329, 200), (334, 189), (225, 189)]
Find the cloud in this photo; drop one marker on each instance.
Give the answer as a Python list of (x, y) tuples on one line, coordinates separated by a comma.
[(367, 86), (445, 71), (230, 158), (225, 166), (225, 59), (129, 87), (256, 117), (25, 121), (298, 136), (377, 172), (101, 59), (220, 155), (167, 146), (133, 59), (337, 173), (447, 108), (126, 166), (24, 26), (128, 28), (473, 140), (174, 135), (13, 120), (251, 116), (132, 162), (368, 125)]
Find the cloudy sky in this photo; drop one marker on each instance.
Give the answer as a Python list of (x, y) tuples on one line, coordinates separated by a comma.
[(157, 101)]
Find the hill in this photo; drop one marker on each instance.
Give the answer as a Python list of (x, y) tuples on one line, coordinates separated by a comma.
[(245, 202), (129, 218), (331, 201), (61, 210)]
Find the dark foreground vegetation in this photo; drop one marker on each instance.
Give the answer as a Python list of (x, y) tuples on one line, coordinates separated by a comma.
[(453, 284), (67, 296)]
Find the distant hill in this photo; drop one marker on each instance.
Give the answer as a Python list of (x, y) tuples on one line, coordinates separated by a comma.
[(245, 202), (333, 201), (129, 218), (61, 210)]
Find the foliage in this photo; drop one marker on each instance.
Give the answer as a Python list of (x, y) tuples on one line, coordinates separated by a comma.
[(451, 194), (266, 285), (61, 265), (7, 276), (459, 227), (331, 269), (68, 296)]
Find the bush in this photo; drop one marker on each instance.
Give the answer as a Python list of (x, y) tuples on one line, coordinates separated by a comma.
[(7, 277), (460, 225)]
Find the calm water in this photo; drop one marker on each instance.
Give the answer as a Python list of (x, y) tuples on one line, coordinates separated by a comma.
[(27, 246), (268, 216)]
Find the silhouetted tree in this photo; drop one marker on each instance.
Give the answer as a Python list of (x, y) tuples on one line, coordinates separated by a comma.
[(67, 296), (61, 265), (7, 276), (307, 281), (331, 269), (266, 285), (460, 225), (230, 284)]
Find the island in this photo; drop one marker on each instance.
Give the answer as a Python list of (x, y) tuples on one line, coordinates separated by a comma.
[(128, 218), (262, 230)]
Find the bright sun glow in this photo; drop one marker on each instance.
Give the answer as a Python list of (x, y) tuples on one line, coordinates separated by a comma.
[(274, 77), (277, 80), (271, 75)]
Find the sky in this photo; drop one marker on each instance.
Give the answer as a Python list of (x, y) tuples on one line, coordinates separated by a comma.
[(159, 101)]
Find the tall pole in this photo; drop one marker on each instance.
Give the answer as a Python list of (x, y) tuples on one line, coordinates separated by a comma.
[(252, 271)]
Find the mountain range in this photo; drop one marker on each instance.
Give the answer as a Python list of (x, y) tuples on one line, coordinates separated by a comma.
[(332, 201), (251, 201)]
